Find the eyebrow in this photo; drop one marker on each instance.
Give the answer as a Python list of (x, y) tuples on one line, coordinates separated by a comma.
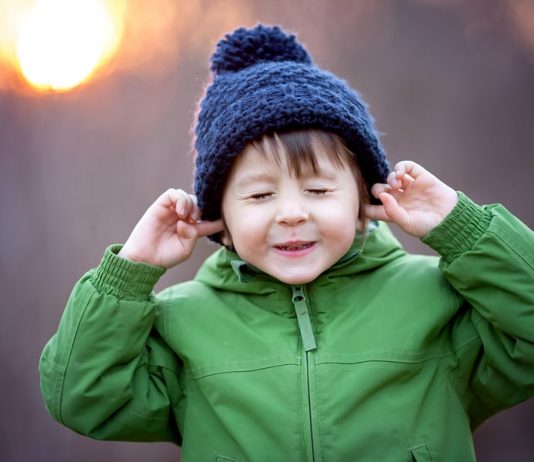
[(255, 178), (327, 174)]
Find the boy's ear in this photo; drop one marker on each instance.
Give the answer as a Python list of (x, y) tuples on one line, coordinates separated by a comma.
[(226, 237), (361, 224), (226, 240)]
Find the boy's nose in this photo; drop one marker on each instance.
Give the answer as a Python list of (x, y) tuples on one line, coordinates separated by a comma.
[(291, 214)]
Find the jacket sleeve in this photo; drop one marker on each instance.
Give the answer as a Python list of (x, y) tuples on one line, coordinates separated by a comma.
[(487, 255), (106, 373)]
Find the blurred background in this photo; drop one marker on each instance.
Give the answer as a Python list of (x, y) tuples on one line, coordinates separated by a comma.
[(96, 103)]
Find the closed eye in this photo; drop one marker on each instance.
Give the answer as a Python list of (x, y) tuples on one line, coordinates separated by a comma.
[(317, 192), (260, 196)]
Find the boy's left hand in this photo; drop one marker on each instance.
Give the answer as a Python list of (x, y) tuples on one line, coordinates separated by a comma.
[(412, 198)]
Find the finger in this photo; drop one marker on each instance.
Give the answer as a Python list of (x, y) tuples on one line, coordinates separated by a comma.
[(392, 209), (206, 228), (405, 180), (173, 199), (183, 205), (379, 188), (186, 231), (196, 214), (409, 167), (192, 212), (169, 197), (393, 182), (376, 212), (186, 207)]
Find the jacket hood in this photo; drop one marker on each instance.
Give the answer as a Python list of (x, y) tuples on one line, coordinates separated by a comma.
[(225, 270)]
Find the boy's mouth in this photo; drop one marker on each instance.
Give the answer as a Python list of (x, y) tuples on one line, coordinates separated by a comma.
[(302, 246), (294, 247)]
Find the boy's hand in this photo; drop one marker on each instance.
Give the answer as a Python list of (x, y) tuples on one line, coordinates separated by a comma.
[(168, 231), (412, 198)]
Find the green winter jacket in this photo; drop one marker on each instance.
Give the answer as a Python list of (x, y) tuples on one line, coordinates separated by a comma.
[(384, 357)]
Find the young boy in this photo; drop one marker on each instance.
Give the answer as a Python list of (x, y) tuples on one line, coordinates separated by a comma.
[(311, 335)]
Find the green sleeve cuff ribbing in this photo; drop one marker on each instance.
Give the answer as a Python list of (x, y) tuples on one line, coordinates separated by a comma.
[(460, 229), (123, 278)]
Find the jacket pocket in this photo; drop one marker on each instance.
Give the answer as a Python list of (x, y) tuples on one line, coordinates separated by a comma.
[(220, 458), (421, 453)]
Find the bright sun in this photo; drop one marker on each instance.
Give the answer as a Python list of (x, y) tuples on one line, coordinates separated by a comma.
[(62, 42)]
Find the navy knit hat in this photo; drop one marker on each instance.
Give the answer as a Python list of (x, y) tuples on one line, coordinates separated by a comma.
[(263, 82)]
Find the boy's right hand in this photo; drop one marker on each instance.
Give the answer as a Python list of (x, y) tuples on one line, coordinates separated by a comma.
[(168, 231)]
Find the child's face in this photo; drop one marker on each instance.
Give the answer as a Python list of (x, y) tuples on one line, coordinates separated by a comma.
[(291, 228)]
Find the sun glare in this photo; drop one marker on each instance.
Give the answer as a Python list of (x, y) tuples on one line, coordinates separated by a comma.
[(62, 42)]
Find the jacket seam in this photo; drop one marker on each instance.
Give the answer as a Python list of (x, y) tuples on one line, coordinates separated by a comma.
[(468, 343), (384, 360), (475, 388), (146, 416), (61, 385), (167, 368), (471, 388), (164, 310), (237, 371), (319, 415), (516, 252), (419, 446), (301, 403)]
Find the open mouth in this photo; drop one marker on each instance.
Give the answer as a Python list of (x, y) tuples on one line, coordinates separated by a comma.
[(294, 247)]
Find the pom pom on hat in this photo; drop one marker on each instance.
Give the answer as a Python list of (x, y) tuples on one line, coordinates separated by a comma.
[(247, 47), (264, 82)]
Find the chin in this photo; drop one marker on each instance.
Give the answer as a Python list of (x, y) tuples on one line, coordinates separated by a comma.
[(296, 279)]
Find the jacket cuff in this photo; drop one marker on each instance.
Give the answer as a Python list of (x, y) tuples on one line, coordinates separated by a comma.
[(123, 278), (460, 230)]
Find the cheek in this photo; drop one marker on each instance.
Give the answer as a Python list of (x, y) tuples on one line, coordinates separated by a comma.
[(340, 230), (341, 212), (340, 223), (248, 227)]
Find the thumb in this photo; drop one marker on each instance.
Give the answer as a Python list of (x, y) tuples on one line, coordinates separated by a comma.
[(395, 213)]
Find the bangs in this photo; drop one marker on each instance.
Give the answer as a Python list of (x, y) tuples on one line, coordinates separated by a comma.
[(300, 148)]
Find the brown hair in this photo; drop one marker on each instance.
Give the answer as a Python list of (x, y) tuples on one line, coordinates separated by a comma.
[(300, 148)]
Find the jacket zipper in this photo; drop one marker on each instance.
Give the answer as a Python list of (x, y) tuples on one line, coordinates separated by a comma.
[(308, 342)]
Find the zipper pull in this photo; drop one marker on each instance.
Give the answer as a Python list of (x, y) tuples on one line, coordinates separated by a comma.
[(303, 318)]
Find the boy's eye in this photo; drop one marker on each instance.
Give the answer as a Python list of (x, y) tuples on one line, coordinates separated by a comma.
[(260, 196), (318, 191)]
